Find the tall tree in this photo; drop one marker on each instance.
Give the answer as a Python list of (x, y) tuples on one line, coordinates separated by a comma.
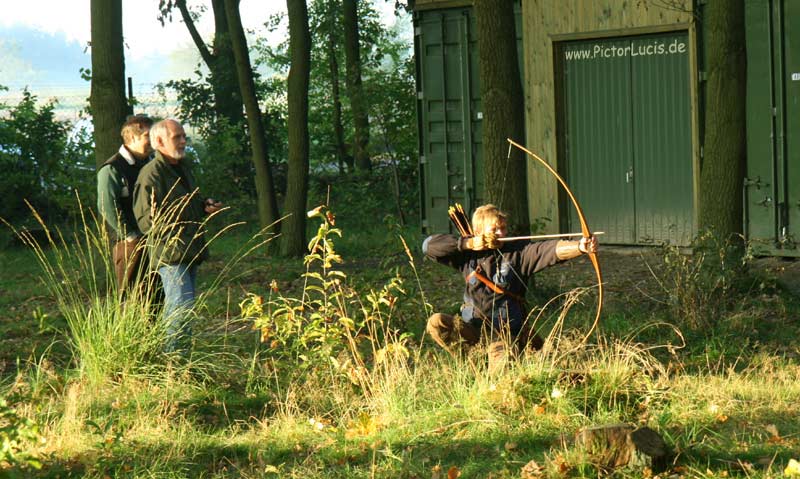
[(294, 228), (503, 114), (265, 185), (723, 165), (107, 97), (358, 101), (342, 157)]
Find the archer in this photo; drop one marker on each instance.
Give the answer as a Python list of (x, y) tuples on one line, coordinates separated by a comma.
[(496, 275)]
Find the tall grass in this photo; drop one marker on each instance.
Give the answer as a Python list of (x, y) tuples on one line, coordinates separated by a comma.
[(326, 380), (111, 335)]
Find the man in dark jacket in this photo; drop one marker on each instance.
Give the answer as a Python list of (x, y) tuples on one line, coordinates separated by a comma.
[(115, 181), (496, 275), (171, 214)]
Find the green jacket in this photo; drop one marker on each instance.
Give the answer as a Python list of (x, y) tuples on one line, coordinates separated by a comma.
[(170, 213), (115, 181)]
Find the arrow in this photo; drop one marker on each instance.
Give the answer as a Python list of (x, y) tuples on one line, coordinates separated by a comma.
[(563, 235)]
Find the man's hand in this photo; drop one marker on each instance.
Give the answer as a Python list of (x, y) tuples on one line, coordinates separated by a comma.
[(483, 242), (588, 245), (212, 206)]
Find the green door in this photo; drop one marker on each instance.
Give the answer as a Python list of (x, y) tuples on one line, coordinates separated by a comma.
[(626, 136), (449, 112), (772, 185), (448, 109)]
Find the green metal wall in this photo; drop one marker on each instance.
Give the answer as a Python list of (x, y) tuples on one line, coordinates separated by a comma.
[(772, 186), (625, 137), (448, 113)]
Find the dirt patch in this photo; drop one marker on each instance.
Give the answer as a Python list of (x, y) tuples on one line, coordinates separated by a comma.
[(629, 274)]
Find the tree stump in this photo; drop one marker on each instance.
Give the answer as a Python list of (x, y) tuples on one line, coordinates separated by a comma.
[(620, 445)]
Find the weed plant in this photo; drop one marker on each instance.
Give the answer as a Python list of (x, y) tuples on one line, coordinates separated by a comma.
[(701, 287)]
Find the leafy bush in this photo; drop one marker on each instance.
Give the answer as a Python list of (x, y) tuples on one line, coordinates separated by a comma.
[(44, 161)]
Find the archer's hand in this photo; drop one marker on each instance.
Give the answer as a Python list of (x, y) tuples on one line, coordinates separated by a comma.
[(482, 242), (212, 206), (588, 245)]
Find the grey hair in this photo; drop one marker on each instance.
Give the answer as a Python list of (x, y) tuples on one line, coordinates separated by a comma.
[(159, 130)]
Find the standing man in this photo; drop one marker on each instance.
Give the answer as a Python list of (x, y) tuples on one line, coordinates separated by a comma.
[(170, 213), (115, 182)]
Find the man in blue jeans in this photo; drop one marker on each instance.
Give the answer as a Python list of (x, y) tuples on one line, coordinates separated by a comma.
[(171, 215)]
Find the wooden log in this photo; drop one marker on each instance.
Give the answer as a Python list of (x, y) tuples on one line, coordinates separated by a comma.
[(623, 445)]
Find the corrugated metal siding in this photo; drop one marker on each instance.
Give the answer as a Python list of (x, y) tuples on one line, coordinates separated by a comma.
[(772, 195), (662, 141), (598, 138), (627, 136), (448, 110), (449, 113), (791, 50)]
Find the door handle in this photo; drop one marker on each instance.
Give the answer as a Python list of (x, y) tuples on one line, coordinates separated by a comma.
[(629, 175)]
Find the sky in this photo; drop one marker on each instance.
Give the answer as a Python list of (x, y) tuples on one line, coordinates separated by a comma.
[(44, 44)]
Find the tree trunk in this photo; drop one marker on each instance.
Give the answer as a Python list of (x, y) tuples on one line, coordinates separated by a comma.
[(723, 165), (265, 186), (294, 229), (107, 97), (227, 97), (338, 129), (358, 100), (503, 114)]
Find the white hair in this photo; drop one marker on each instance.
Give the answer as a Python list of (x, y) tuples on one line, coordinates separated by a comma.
[(159, 130)]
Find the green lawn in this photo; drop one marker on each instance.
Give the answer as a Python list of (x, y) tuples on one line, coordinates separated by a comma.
[(358, 391)]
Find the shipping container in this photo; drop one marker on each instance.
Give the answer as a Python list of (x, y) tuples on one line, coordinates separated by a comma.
[(772, 187), (448, 113)]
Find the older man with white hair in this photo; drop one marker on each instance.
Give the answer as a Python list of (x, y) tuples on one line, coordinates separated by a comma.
[(171, 214)]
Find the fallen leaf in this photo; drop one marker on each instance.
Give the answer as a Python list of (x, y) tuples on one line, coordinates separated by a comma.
[(436, 472), (510, 446), (722, 418), (563, 466), (538, 410), (531, 470), (453, 473), (772, 430)]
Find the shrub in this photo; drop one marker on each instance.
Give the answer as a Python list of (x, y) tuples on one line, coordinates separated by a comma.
[(699, 287), (44, 161)]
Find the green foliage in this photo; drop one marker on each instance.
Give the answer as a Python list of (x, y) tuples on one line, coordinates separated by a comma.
[(387, 82), (109, 337), (701, 286), (389, 193), (16, 433), (328, 317), (44, 161)]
